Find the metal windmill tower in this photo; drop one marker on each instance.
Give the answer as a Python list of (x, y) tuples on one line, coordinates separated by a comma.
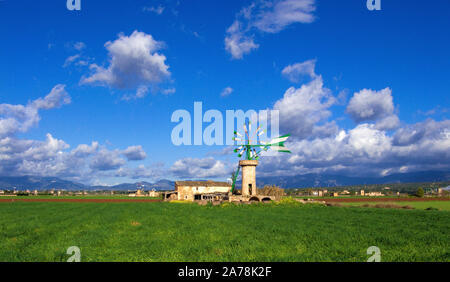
[(251, 149)]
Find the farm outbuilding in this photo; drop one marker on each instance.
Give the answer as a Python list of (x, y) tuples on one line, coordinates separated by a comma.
[(199, 190)]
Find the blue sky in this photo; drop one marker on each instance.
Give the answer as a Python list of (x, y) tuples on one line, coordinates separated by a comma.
[(399, 54)]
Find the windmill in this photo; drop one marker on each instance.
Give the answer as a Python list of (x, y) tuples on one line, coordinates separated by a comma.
[(251, 149)]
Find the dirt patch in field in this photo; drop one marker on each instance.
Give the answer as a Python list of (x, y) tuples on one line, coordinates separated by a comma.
[(355, 200), (82, 200), (387, 206)]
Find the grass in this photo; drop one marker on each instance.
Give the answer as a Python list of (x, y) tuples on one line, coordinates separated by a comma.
[(440, 205), (188, 232)]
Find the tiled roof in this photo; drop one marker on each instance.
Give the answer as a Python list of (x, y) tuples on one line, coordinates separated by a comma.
[(202, 183)]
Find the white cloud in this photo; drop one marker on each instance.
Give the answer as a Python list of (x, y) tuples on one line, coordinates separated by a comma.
[(237, 43), (142, 171), (52, 156), (70, 60), (79, 46), (319, 145), (19, 118), (134, 153), (107, 160), (134, 62), (365, 151), (371, 105), (304, 111), (296, 71), (265, 16), (226, 91), (141, 92), (200, 168), (169, 91), (157, 10)]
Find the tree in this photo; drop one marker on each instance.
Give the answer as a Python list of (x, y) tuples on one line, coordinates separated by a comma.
[(419, 192)]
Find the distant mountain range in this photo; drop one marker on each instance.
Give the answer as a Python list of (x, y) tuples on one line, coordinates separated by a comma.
[(48, 183), (299, 181), (329, 180)]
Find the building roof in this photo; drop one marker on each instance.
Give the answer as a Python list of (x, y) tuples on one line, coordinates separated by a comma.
[(202, 183)]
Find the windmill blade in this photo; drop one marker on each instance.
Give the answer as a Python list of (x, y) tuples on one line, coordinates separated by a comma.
[(280, 149), (280, 139)]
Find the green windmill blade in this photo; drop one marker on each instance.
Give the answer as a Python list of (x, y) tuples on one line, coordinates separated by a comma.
[(252, 150)]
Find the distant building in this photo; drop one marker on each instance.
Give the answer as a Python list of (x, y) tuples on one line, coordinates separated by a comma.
[(153, 194), (138, 193), (362, 193), (334, 194), (375, 194)]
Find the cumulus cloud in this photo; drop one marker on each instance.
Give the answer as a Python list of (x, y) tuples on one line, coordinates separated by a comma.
[(200, 168), (134, 153), (365, 151), (267, 17), (237, 43), (107, 160), (134, 62), (20, 118), (377, 146), (304, 111), (296, 71), (141, 92), (226, 91), (155, 172), (370, 105), (53, 157)]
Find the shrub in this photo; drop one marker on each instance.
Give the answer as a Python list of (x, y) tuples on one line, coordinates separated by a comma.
[(287, 201), (272, 190), (420, 192)]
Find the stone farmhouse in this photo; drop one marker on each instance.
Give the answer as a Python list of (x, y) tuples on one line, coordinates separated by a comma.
[(199, 190)]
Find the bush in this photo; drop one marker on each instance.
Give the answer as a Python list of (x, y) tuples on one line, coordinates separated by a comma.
[(420, 193), (272, 190), (287, 201)]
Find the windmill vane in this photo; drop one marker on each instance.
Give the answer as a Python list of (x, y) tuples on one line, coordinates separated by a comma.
[(253, 151)]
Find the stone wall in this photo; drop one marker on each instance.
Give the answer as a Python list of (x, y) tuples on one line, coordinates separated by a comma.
[(248, 177)]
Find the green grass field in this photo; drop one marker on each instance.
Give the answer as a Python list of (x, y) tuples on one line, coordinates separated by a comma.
[(188, 232)]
